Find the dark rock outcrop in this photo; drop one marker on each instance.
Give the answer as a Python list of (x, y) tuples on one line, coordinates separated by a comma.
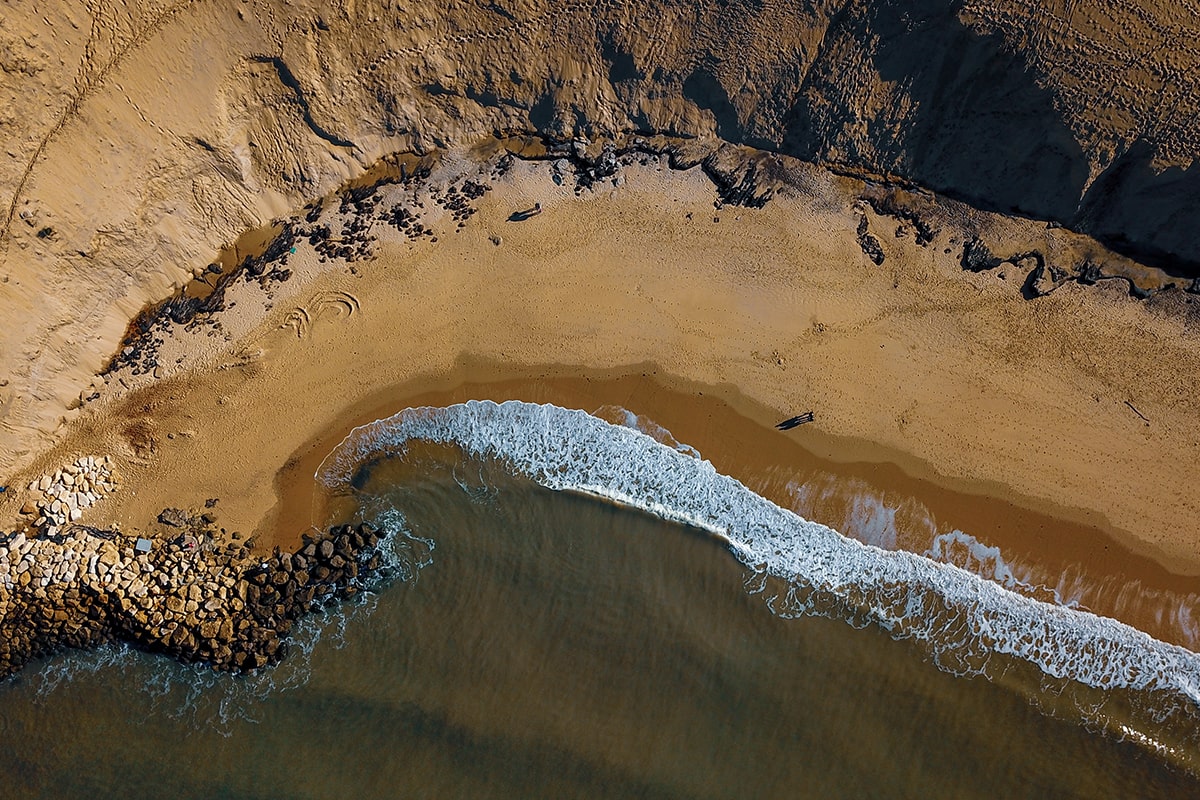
[(221, 607)]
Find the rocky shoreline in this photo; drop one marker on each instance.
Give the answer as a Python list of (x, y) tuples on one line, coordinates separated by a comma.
[(197, 602)]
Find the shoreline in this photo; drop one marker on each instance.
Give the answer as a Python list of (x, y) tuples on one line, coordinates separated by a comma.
[(751, 450), (685, 413), (920, 371)]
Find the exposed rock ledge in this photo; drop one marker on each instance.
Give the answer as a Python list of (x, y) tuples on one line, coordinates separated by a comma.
[(220, 606)]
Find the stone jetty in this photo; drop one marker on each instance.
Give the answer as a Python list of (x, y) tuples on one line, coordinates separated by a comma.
[(223, 606)]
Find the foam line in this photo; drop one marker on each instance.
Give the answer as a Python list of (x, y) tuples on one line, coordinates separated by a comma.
[(961, 615)]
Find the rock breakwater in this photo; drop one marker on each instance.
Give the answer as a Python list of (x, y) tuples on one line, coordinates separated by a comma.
[(217, 605)]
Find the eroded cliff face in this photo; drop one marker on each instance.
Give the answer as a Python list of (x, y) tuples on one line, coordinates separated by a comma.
[(140, 137)]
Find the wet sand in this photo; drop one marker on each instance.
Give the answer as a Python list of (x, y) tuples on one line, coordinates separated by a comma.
[(773, 463)]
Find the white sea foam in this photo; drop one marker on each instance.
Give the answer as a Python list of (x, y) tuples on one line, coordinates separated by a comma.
[(619, 415), (864, 512), (964, 618), (964, 550)]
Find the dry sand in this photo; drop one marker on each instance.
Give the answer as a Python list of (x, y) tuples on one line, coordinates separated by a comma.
[(950, 376), (140, 137)]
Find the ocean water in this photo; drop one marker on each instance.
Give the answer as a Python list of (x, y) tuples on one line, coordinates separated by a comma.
[(583, 609)]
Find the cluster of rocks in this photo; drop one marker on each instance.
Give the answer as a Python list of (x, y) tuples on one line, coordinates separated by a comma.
[(349, 248), (458, 203), (870, 246), (270, 266), (404, 220), (589, 170), (503, 166), (571, 157), (219, 606), (473, 190), (886, 202), (140, 346), (358, 208), (62, 497)]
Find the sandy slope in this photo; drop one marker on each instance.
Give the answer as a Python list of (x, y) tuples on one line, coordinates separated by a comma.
[(140, 137)]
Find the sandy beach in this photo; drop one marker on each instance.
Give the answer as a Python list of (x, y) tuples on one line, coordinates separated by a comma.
[(1077, 405), (265, 266)]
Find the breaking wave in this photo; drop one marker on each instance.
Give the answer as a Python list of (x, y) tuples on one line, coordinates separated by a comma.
[(801, 567)]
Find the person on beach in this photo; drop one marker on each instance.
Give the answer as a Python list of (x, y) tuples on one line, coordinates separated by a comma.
[(521, 216)]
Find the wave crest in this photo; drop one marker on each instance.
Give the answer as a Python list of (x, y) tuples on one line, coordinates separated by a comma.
[(965, 619)]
